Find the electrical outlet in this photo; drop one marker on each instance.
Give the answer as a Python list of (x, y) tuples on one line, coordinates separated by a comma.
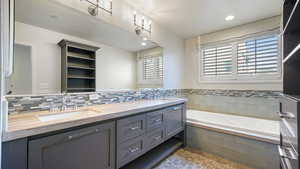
[(93, 96)]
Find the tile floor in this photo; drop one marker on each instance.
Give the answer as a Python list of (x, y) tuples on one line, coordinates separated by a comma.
[(190, 159)]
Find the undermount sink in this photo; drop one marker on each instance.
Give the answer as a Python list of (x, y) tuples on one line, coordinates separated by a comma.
[(57, 116)]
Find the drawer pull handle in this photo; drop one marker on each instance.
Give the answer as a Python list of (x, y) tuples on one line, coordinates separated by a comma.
[(176, 108), (157, 120), (287, 115), (157, 138), (70, 137), (134, 128), (133, 150), (283, 153)]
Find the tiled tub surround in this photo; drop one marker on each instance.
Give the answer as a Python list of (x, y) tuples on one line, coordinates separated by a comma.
[(246, 140), (253, 153), (258, 104), (249, 127)]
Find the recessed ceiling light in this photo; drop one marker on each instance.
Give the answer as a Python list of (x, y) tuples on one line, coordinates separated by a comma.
[(143, 43), (229, 18)]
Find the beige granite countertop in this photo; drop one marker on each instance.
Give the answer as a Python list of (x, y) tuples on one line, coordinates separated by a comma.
[(28, 124)]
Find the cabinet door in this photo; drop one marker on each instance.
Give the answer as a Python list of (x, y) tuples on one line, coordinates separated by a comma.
[(173, 117), (88, 148)]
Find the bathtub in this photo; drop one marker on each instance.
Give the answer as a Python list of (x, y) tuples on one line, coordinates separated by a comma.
[(260, 129), (246, 140)]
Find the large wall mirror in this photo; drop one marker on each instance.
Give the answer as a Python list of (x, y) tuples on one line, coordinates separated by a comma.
[(122, 59)]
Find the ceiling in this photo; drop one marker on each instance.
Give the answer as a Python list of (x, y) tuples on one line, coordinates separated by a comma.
[(52, 16), (189, 18)]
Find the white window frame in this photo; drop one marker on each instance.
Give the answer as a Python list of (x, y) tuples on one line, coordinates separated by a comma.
[(235, 78), (140, 67)]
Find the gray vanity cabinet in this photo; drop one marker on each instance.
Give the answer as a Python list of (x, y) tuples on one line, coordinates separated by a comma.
[(87, 148), (137, 135), (173, 120)]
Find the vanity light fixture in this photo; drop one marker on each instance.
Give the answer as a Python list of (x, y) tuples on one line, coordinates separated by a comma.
[(95, 5), (141, 23), (229, 18)]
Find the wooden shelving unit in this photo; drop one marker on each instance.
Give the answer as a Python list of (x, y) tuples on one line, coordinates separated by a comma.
[(291, 47), (78, 67)]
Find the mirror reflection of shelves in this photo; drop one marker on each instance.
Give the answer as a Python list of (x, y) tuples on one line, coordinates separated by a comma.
[(80, 56), (78, 67)]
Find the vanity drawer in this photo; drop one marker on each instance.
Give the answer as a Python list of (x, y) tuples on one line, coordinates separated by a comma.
[(130, 150), (154, 138), (155, 120), (131, 127)]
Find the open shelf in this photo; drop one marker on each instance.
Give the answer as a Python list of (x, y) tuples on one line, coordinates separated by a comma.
[(80, 66), (80, 56), (291, 23), (80, 88), (80, 77), (293, 55), (78, 63), (156, 155)]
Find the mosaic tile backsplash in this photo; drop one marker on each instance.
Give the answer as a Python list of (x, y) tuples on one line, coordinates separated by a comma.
[(20, 104), (23, 104)]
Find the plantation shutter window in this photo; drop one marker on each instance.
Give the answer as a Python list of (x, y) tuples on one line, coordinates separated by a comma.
[(258, 56), (217, 61), (152, 68)]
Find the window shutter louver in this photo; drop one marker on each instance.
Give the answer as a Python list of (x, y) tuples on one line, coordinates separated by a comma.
[(217, 61), (153, 68), (258, 56)]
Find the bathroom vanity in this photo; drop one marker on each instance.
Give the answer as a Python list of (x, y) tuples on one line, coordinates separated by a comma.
[(122, 135)]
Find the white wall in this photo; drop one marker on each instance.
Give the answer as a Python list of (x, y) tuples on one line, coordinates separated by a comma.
[(192, 56), (46, 60), (20, 82), (116, 69)]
